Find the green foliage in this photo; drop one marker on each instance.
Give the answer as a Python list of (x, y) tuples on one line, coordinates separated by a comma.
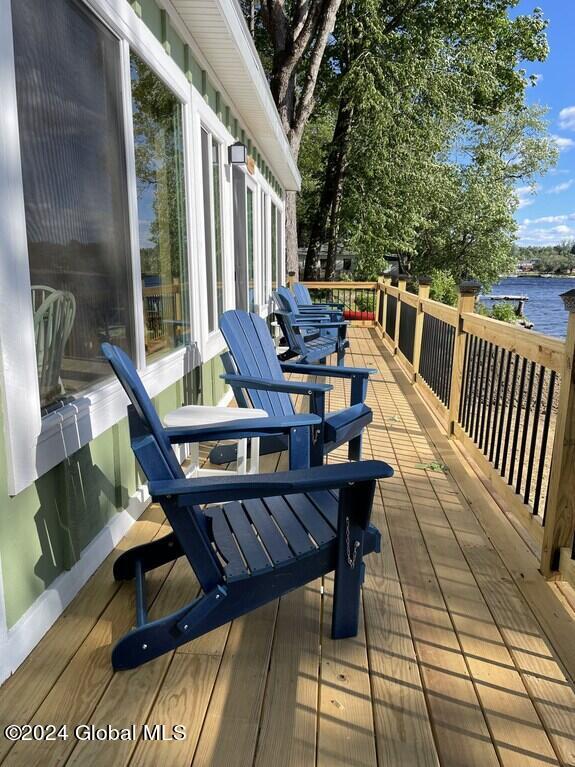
[(549, 259), (443, 287), (504, 312), (364, 302)]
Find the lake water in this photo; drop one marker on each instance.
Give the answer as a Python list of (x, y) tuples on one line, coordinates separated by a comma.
[(544, 308)]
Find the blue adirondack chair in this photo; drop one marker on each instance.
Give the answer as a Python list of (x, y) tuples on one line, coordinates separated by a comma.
[(303, 300), (265, 536), (257, 377), (310, 338), (310, 312)]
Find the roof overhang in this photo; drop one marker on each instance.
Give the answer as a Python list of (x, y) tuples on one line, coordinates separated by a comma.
[(221, 33)]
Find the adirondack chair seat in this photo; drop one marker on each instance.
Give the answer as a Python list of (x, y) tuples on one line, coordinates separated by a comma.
[(255, 536)]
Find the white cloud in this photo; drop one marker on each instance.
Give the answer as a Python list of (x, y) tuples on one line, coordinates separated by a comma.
[(567, 118), (537, 231), (526, 195), (561, 219), (561, 187), (562, 143)]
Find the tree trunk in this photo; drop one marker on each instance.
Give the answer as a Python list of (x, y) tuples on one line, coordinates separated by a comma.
[(302, 36), (333, 172), (292, 263), (335, 218)]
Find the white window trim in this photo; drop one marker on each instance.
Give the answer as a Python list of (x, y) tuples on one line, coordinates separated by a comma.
[(212, 342), (34, 444)]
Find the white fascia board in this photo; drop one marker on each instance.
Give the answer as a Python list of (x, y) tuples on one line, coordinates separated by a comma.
[(249, 72)]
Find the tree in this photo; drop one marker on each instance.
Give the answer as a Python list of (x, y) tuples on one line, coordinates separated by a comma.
[(469, 228), (408, 73), (292, 38)]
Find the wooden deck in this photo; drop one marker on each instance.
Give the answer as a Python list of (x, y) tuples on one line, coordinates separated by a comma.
[(465, 654)]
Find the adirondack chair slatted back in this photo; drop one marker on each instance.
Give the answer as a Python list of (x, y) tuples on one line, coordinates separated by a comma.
[(294, 340), (146, 412), (158, 461), (254, 355), (302, 294), (54, 314), (290, 303)]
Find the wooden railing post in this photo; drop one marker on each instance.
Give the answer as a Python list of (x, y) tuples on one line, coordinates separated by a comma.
[(378, 298), (386, 282), (560, 516), (291, 278), (468, 291), (423, 293), (401, 286)]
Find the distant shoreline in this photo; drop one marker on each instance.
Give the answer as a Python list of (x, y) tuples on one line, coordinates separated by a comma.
[(542, 275)]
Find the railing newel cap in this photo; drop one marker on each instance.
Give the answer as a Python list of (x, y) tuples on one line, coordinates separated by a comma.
[(568, 299), (403, 277), (424, 280), (469, 287)]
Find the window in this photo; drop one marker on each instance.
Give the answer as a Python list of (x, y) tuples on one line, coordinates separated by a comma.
[(250, 248), (212, 190), (74, 174), (159, 150)]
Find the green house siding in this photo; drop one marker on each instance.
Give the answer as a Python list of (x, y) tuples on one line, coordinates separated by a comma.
[(44, 529)]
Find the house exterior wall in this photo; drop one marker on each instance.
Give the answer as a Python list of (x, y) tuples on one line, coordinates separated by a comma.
[(57, 530)]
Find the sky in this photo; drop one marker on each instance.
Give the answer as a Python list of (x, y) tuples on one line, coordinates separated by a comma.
[(548, 216)]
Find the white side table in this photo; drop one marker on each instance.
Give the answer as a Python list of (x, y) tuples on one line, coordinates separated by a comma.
[(203, 415)]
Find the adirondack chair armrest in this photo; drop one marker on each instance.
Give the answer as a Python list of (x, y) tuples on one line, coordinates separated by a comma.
[(327, 371), (268, 384), (331, 306), (320, 323), (204, 490), (240, 429), (358, 376)]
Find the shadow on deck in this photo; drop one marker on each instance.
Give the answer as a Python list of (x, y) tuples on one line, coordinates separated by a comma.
[(464, 654)]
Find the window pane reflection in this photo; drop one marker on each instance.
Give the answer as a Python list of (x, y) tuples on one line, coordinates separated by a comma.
[(74, 174), (250, 249), (158, 138)]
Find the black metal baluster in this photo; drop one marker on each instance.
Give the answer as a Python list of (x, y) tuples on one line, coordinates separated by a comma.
[(517, 421), (484, 408), (479, 390), (534, 433), (511, 405), (488, 423), (471, 382), (526, 421), (544, 439), (494, 429), (464, 379), (504, 403)]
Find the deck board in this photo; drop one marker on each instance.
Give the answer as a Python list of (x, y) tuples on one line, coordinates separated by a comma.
[(463, 656)]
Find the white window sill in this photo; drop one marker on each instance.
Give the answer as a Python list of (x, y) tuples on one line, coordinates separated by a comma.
[(66, 430)]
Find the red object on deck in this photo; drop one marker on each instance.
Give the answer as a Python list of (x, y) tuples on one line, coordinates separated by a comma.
[(348, 314)]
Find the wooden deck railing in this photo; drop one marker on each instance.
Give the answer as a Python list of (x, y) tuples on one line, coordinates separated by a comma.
[(359, 298), (505, 394)]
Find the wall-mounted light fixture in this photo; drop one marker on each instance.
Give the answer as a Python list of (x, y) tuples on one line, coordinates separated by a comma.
[(237, 153)]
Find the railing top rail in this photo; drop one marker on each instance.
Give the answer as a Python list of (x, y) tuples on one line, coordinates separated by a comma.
[(409, 298), (537, 347), (441, 311), (342, 284)]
